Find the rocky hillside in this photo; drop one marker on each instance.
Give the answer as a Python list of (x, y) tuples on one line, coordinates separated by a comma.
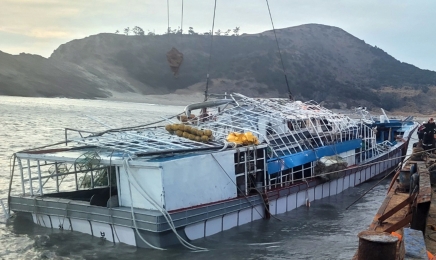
[(35, 76), (322, 63)]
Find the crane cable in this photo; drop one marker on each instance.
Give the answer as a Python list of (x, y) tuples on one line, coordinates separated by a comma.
[(168, 17), (210, 54), (291, 97), (181, 23)]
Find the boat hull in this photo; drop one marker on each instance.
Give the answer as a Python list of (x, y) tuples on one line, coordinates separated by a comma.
[(116, 225)]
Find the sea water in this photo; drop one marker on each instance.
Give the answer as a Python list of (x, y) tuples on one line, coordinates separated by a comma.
[(324, 231)]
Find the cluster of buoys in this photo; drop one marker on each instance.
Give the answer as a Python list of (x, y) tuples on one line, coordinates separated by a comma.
[(242, 138), (190, 132), (184, 119)]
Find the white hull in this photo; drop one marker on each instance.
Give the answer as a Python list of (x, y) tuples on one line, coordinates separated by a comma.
[(127, 235)]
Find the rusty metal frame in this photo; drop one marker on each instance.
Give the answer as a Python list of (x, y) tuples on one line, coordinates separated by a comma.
[(398, 207)]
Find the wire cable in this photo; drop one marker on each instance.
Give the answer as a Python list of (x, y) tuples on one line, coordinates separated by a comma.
[(168, 16), (134, 220), (210, 53), (280, 54), (253, 206), (181, 23), (165, 213)]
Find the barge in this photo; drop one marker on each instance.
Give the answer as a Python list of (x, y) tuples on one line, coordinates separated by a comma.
[(403, 218)]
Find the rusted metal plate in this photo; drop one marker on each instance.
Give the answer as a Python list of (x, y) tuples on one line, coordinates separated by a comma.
[(424, 183), (394, 214), (390, 202), (400, 224), (397, 208)]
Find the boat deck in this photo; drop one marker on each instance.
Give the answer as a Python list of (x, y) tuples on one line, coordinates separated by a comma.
[(400, 210)]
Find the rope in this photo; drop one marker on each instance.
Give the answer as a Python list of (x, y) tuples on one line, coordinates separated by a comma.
[(370, 164), (158, 207), (243, 194), (354, 167), (280, 54), (110, 195), (366, 192), (134, 220), (396, 169), (138, 126), (210, 54), (45, 146)]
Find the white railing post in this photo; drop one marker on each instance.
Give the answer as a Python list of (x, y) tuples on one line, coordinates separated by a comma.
[(29, 172), (22, 176), (57, 176), (75, 176), (39, 178)]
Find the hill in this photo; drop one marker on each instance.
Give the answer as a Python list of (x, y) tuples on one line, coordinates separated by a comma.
[(35, 76), (322, 63)]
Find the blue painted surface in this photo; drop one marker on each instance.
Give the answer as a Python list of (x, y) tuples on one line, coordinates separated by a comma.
[(403, 129), (414, 244), (395, 125), (297, 159)]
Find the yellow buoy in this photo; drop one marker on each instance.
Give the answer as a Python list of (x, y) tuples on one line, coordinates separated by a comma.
[(242, 138), (208, 132)]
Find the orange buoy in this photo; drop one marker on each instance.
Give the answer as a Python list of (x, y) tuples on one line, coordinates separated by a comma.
[(430, 255), (397, 235)]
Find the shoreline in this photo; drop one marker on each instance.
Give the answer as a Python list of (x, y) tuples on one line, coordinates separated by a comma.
[(184, 99), (173, 99)]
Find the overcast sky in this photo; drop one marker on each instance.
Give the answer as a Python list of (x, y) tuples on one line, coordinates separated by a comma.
[(403, 28)]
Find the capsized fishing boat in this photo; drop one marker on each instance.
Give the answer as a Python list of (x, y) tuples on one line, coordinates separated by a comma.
[(187, 177)]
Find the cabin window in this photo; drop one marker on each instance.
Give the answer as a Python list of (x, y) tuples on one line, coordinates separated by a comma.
[(301, 124), (291, 126), (326, 126)]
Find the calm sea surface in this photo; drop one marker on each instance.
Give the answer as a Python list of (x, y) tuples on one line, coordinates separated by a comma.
[(324, 231)]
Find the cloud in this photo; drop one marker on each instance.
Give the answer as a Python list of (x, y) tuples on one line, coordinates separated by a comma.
[(402, 28), (41, 33)]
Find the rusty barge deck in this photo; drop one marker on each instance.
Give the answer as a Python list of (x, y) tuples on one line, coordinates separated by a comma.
[(403, 218)]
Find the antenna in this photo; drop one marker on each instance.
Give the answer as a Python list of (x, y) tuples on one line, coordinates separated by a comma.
[(291, 97)]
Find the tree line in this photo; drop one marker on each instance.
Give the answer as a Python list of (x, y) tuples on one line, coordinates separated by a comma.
[(139, 31)]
